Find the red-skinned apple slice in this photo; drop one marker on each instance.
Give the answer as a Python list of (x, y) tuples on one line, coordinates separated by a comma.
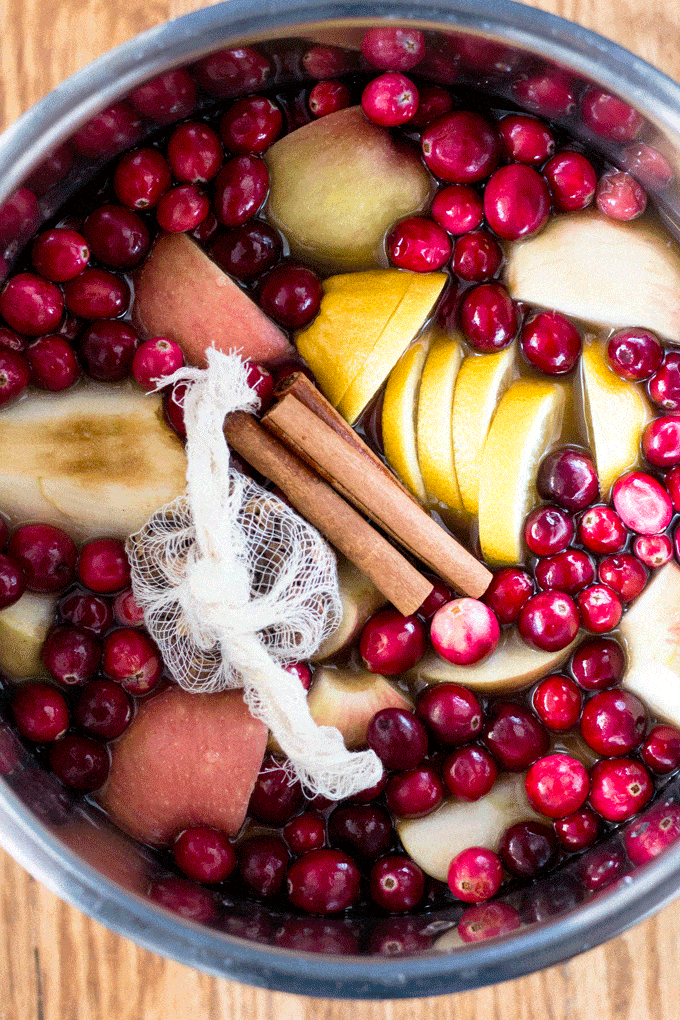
[(349, 700)]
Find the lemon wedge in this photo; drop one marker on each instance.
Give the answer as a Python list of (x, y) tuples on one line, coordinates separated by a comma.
[(399, 416), (434, 435), (482, 381), (528, 420), (615, 413)]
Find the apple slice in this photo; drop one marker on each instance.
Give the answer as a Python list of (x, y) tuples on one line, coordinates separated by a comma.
[(182, 294), (349, 700), (399, 417), (97, 460), (433, 841), (186, 759), (512, 666), (360, 600), (338, 184), (434, 422), (23, 629), (601, 271), (651, 631)]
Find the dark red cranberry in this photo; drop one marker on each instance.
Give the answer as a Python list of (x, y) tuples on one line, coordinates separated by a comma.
[(567, 571), (414, 793), (194, 153), (549, 621), (600, 608), (619, 788), (452, 713), (598, 664), (204, 854), (117, 236), (80, 762), (550, 94), (557, 785), (661, 750), (184, 898), (652, 832), (609, 117), (572, 181), (103, 566), (371, 792), (548, 530), (653, 550), (619, 196), (458, 209), (488, 921), (206, 230), (141, 178), (71, 655), (19, 216), (438, 597), (88, 611), (475, 874), (476, 256), (116, 128), (291, 294), (508, 591), (461, 147), (364, 830), (53, 363), (276, 797), (396, 883), (14, 375), (173, 408), (469, 772), (31, 305), (568, 477), (132, 660), (642, 503), (247, 251), (391, 643), (661, 442), (262, 863), (305, 832), (10, 341), (182, 208), (323, 882), (577, 831), (557, 702), (60, 254), (108, 349), (52, 170), (96, 294), (527, 848), (170, 96), (634, 354), (240, 189), (664, 386), (326, 62), (434, 102), (104, 709), (12, 581), (550, 343), (600, 868), (516, 202), (69, 328), (525, 139), (601, 530), (390, 99), (418, 244), (488, 317), (40, 712), (398, 738), (393, 49), (47, 556), (613, 723), (329, 97), (623, 574), (154, 360), (251, 125), (231, 72), (514, 735)]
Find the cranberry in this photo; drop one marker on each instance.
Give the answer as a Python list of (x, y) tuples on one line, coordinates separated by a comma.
[(487, 921), (475, 874), (396, 883), (568, 477), (572, 181), (549, 621), (276, 797), (314, 935), (619, 788), (527, 848), (598, 664), (664, 386), (329, 97), (619, 196), (516, 202), (231, 72), (550, 94), (47, 556), (508, 591), (642, 503), (488, 317), (103, 566), (182, 208), (52, 170), (170, 96), (525, 139), (262, 862), (609, 117), (12, 581), (31, 305), (458, 209), (323, 882), (656, 829), (132, 660), (414, 793), (613, 722), (398, 738), (80, 762), (672, 481), (601, 609), (653, 550), (514, 735), (10, 341), (305, 832), (464, 631), (648, 165), (173, 408), (393, 49), (477, 256), (601, 530), (247, 251), (634, 353), (251, 125), (291, 294), (326, 62), (40, 712), (469, 772), (15, 375), (577, 831), (88, 611), (438, 597), (361, 829), (262, 382), (19, 216), (434, 103), (53, 363), (550, 343), (194, 153), (240, 189), (623, 574), (391, 643), (141, 178), (155, 359), (418, 244), (104, 709), (661, 442), (567, 571), (184, 898), (126, 610), (661, 750), (108, 349), (452, 713), (461, 147), (557, 702), (390, 99), (116, 128), (204, 854), (548, 530), (117, 236), (96, 294), (206, 230), (557, 785), (71, 655), (60, 254), (600, 868)]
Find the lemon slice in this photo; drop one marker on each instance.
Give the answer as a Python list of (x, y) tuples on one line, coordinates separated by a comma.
[(434, 436), (615, 413), (528, 420), (482, 381), (399, 416)]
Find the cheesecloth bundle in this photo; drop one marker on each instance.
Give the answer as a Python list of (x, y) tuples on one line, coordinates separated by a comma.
[(234, 583)]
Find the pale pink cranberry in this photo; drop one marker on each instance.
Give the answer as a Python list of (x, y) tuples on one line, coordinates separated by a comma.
[(488, 921), (184, 898), (661, 442), (527, 848), (262, 382), (458, 208), (396, 883), (550, 94), (601, 530), (577, 831), (672, 483), (126, 610), (326, 62), (414, 793), (247, 251), (328, 97), (664, 386), (398, 738), (548, 530), (661, 750), (233, 72), (262, 862), (516, 202), (508, 591), (469, 772), (10, 341), (52, 170), (12, 581), (71, 655), (182, 208), (53, 363), (488, 317), (15, 375), (613, 723), (634, 353), (600, 868), (291, 294), (623, 574), (323, 882), (572, 180), (598, 664), (551, 343), (393, 49), (390, 100), (141, 178), (104, 709), (557, 785), (477, 256), (619, 196), (451, 713), (31, 305), (642, 503), (525, 139), (619, 788), (648, 165), (653, 550), (609, 117), (204, 854), (475, 874), (89, 611), (568, 477), (434, 102), (276, 797), (461, 147), (96, 294), (79, 762), (438, 597), (108, 348), (40, 712), (601, 609), (567, 571), (391, 643), (240, 189), (251, 125), (103, 566), (656, 829), (116, 128), (170, 96), (557, 702), (549, 621), (361, 829), (60, 254), (418, 244), (515, 736), (131, 659), (173, 408), (47, 556), (154, 359), (464, 631), (305, 832), (19, 216)]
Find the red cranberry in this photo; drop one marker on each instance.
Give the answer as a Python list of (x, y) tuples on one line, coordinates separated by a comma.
[(664, 386), (620, 787), (305, 832), (52, 170), (488, 921), (516, 202), (19, 216), (291, 295), (60, 254), (661, 750), (514, 735), (173, 408), (47, 556), (550, 343), (390, 99), (126, 610), (141, 178), (648, 165), (96, 294), (262, 862), (170, 96), (475, 874), (370, 793), (251, 125), (525, 139), (104, 709), (577, 831), (488, 318), (240, 189), (653, 550), (71, 655), (656, 829), (661, 442), (396, 883), (438, 597), (572, 181), (623, 574), (613, 722), (452, 713), (182, 208), (194, 153), (619, 196), (40, 712), (414, 793), (464, 631), (509, 590), (568, 477), (557, 702), (12, 581), (53, 363), (31, 305), (550, 94), (326, 62), (642, 503), (15, 375), (116, 128), (323, 882), (458, 209), (361, 829), (418, 244), (231, 72), (155, 359), (601, 609), (204, 854), (132, 660), (548, 530), (108, 349), (398, 738), (557, 785), (10, 341), (600, 868), (549, 621), (206, 230), (461, 147), (329, 97), (609, 117), (262, 382), (247, 251), (598, 664), (391, 643), (567, 571), (476, 256), (276, 797), (527, 848), (634, 353), (601, 530), (80, 762), (88, 611), (103, 566), (393, 49), (184, 898), (434, 102), (672, 482), (469, 772), (117, 236)]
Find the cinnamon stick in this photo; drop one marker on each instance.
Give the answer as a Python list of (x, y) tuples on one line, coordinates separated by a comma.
[(364, 485), (385, 566)]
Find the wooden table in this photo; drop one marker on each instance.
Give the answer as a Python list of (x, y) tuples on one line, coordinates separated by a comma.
[(57, 964)]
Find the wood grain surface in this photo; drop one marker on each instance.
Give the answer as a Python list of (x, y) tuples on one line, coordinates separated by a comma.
[(57, 964)]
